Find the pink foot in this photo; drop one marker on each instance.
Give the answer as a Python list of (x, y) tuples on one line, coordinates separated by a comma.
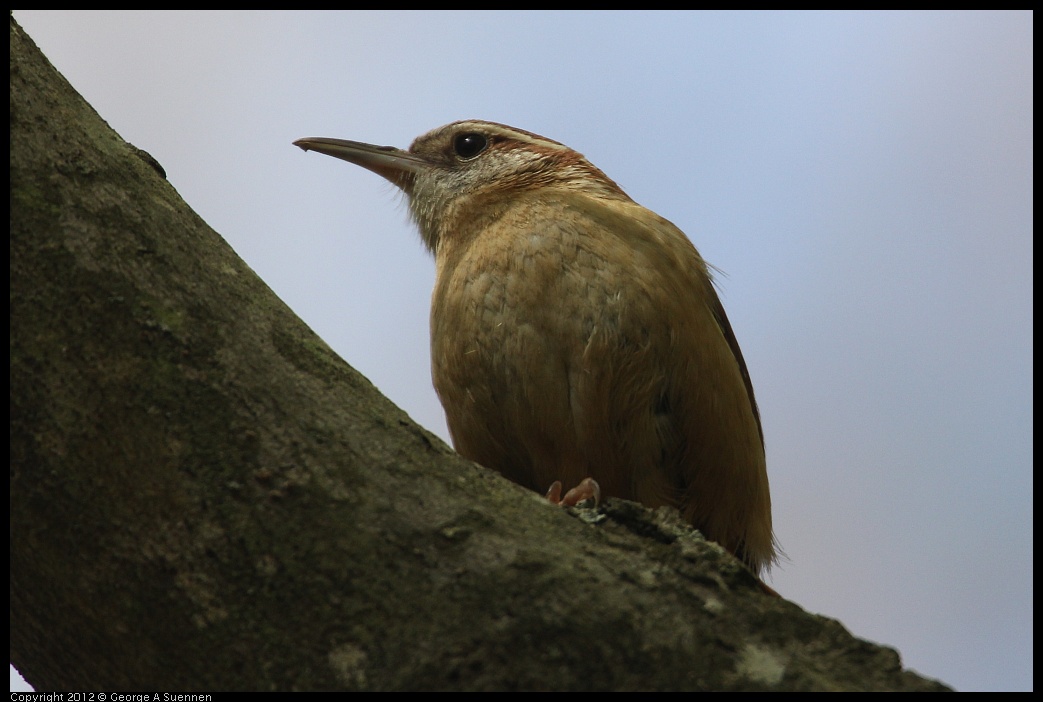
[(588, 489)]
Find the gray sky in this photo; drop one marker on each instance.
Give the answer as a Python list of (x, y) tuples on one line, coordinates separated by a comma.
[(865, 181)]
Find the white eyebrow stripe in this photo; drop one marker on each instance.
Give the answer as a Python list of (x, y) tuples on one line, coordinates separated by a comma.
[(496, 129)]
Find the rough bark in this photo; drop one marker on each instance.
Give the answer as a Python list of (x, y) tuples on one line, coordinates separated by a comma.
[(205, 497)]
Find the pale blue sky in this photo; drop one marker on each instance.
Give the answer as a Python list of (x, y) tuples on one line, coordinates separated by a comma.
[(865, 181)]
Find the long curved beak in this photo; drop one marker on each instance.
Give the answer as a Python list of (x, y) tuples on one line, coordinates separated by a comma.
[(398, 166)]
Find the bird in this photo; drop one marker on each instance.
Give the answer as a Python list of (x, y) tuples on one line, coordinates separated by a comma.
[(576, 336)]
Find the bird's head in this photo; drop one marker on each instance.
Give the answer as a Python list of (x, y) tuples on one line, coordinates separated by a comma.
[(463, 172)]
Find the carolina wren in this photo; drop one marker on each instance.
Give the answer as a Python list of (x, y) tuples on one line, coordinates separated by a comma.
[(575, 333)]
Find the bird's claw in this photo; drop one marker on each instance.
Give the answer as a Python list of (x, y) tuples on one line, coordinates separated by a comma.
[(587, 490)]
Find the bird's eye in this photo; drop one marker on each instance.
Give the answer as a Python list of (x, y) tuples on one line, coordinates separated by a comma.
[(469, 145)]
